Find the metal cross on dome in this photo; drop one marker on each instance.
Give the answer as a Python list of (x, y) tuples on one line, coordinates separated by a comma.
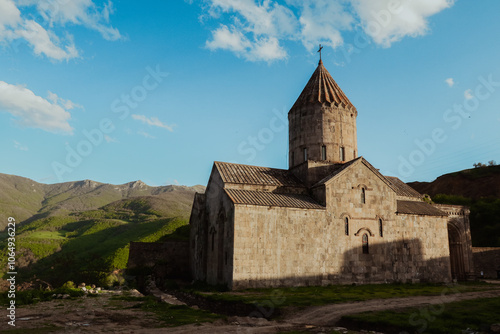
[(320, 48)]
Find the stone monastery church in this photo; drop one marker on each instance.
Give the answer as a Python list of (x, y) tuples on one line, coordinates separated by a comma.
[(331, 218)]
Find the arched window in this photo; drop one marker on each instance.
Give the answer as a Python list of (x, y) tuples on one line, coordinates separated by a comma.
[(346, 220), (380, 228), (365, 243), (342, 154), (363, 196), (305, 153), (323, 152)]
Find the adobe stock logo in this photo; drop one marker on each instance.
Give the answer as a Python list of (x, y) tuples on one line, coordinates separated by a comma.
[(454, 117)]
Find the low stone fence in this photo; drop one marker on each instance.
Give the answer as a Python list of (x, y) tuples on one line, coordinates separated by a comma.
[(487, 261), (163, 260)]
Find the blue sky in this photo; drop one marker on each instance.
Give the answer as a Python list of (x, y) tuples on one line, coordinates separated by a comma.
[(117, 91)]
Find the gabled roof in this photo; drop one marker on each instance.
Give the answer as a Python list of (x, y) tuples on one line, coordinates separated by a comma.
[(345, 166), (418, 208), (321, 88), (401, 188), (245, 174), (251, 197)]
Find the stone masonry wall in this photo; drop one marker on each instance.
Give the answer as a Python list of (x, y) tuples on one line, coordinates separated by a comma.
[(487, 260), (410, 248), (313, 126), (291, 247), (219, 222), (166, 259)]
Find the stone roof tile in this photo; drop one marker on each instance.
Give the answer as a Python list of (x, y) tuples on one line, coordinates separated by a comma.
[(251, 197), (401, 188), (245, 174), (321, 88), (418, 208)]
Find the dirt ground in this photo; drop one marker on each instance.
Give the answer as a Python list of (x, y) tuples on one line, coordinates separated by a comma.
[(105, 315)]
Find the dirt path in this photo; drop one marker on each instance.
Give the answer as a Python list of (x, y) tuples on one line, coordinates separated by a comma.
[(328, 315), (105, 315)]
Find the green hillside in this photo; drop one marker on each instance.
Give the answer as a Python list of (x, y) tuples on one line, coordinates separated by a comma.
[(80, 231)]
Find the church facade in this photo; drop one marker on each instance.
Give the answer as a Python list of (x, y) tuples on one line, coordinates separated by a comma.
[(331, 218)]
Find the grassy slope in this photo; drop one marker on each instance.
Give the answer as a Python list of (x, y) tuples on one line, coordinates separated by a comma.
[(60, 243), (478, 314), (19, 197), (333, 294)]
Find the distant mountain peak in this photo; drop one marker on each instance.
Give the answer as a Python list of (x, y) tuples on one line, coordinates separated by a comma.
[(87, 183), (137, 184), (24, 198)]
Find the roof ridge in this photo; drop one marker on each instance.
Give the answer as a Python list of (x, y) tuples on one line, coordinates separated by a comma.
[(245, 165), (322, 88), (232, 173), (268, 198)]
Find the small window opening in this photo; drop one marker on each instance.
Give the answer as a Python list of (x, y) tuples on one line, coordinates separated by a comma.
[(363, 196), (342, 154), (346, 220), (323, 152), (305, 153), (380, 228), (365, 244)]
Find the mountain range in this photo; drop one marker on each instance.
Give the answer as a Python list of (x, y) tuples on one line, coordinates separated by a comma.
[(80, 231), (27, 200)]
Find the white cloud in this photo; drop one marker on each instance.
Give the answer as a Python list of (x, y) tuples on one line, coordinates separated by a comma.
[(67, 104), (257, 30), (468, 94), (19, 146), (34, 111), (267, 49), (388, 21), (109, 139), (254, 34), (450, 82), (145, 134), (322, 22), (19, 22), (153, 121), (45, 43), (78, 12), (225, 39), (9, 14)]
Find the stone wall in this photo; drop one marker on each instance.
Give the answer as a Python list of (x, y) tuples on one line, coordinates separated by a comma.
[(198, 238), (313, 126), (212, 234), (165, 260), (459, 237), (276, 246), (487, 260)]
